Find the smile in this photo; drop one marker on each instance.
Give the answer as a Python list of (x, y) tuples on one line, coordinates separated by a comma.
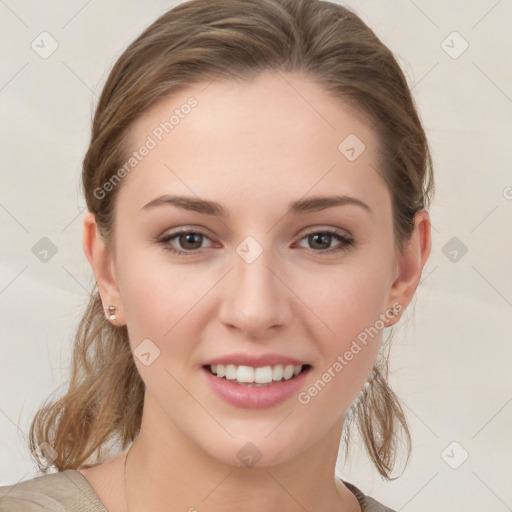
[(249, 375)]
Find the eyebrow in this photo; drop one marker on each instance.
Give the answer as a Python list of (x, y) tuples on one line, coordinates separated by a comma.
[(301, 206)]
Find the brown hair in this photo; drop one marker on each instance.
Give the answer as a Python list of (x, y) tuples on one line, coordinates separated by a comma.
[(232, 39)]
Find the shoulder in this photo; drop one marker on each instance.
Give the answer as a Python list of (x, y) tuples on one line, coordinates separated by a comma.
[(367, 504), (65, 491)]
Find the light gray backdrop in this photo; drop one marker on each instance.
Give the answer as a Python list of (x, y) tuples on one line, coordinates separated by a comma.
[(451, 361)]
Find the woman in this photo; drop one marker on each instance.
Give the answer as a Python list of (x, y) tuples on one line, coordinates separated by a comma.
[(257, 183)]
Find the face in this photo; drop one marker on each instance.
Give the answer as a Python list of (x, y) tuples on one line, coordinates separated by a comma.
[(265, 274)]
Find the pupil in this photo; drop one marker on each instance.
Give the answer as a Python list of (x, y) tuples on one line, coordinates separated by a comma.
[(319, 236), (189, 237)]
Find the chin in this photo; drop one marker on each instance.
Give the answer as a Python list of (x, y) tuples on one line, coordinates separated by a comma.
[(258, 451)]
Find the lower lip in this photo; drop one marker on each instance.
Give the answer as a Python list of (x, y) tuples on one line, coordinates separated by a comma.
[(251, 397)]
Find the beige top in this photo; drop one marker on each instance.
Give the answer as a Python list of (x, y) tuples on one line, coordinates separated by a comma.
[(70, 491)]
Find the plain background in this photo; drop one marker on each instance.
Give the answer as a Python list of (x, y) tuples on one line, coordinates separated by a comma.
[(452, 350)]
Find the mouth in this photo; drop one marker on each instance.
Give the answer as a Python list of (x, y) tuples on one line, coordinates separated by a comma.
[(251, 381), (262, 376)]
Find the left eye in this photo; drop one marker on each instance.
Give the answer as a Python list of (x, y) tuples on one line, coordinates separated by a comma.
[(323, 239)]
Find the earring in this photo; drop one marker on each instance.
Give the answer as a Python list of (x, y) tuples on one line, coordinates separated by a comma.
[(395, 311), (111, 310)]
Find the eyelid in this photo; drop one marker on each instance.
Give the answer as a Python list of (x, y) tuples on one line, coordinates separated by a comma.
[(186, 228), (322, 229)]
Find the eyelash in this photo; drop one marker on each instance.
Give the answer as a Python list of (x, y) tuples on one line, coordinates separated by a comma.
[(346, 243)]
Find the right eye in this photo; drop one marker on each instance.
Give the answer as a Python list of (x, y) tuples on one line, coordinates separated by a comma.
[(189, 241)]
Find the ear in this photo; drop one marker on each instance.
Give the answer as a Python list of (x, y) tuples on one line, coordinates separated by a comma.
[(410, 264), (103, 267)]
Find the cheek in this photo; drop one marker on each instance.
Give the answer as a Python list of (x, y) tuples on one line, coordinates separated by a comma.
[(162, 303), (347, 302), (347, 298), (155, 293), (167, 304)]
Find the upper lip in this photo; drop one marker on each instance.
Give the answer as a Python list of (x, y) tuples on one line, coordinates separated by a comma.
[(255, 361)]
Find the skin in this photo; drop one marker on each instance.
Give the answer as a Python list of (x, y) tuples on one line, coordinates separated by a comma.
[(253, 147)]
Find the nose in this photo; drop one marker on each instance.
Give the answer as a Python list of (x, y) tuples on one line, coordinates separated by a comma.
[(255, 299)]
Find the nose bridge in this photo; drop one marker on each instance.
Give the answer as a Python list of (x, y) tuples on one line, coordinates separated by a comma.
[(255, 299)]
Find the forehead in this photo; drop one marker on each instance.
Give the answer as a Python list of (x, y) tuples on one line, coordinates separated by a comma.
[(277, 135)]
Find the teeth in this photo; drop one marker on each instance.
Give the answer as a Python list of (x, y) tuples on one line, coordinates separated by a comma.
[(261, 375), (277, 372), (245, 374), (230, 371), (288, 372)]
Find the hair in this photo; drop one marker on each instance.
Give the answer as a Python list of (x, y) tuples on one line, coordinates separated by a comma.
[(202, 40)]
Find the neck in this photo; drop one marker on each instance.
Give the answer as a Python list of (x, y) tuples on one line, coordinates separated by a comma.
[(167, 471)]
